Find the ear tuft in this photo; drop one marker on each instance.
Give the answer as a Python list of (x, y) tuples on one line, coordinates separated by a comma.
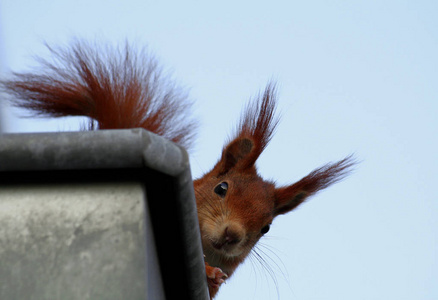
[(289, 197), (255, 130)]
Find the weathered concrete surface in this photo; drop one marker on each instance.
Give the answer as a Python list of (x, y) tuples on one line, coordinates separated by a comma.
[(76, 242), (103, 149)]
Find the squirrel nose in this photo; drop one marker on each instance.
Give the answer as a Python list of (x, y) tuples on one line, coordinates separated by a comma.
[(230, 236)]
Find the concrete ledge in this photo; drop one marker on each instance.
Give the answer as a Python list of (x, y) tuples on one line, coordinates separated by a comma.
[(74, 224), (104, 149)]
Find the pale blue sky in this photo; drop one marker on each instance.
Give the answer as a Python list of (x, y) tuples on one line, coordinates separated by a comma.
[(354, 76)]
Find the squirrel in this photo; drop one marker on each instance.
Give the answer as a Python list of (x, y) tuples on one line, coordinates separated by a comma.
[(121, 88)]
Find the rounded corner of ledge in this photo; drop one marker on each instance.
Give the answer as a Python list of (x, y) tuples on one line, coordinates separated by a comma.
[(164, 156)]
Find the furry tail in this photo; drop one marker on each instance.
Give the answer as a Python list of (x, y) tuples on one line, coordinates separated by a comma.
[(114, 87)]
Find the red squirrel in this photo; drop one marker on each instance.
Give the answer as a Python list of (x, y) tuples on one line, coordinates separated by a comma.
[(119, 88)]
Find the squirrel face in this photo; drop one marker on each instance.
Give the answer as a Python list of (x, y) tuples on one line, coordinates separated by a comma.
[(234, 210)]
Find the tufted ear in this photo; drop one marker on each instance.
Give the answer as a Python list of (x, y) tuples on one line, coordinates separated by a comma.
[(255, 129), (289, 197), (238, 154)]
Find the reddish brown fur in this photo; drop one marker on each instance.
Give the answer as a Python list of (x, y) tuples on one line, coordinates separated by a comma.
[(117, 88), (117, 92)]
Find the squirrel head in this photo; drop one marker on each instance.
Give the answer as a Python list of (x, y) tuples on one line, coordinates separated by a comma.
[(235, 205)]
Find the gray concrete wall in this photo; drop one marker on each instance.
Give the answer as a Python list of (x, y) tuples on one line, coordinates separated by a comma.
[(79, 241)]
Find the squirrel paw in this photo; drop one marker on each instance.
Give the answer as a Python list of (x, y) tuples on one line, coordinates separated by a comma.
[(215, 277)]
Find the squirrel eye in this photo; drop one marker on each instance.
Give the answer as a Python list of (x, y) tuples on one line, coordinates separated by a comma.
[(265, 229), (221, 189)]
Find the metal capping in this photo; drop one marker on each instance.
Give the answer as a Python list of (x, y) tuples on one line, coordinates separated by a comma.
[(120, 149)]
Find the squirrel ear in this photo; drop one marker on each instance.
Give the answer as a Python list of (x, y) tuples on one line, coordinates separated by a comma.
[(289, 197), (237, 154)]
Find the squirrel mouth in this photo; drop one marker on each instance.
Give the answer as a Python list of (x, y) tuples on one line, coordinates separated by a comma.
[(228, 249), (230, 244)]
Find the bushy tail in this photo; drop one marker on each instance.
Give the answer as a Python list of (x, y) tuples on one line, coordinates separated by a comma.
[(114, 87)]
